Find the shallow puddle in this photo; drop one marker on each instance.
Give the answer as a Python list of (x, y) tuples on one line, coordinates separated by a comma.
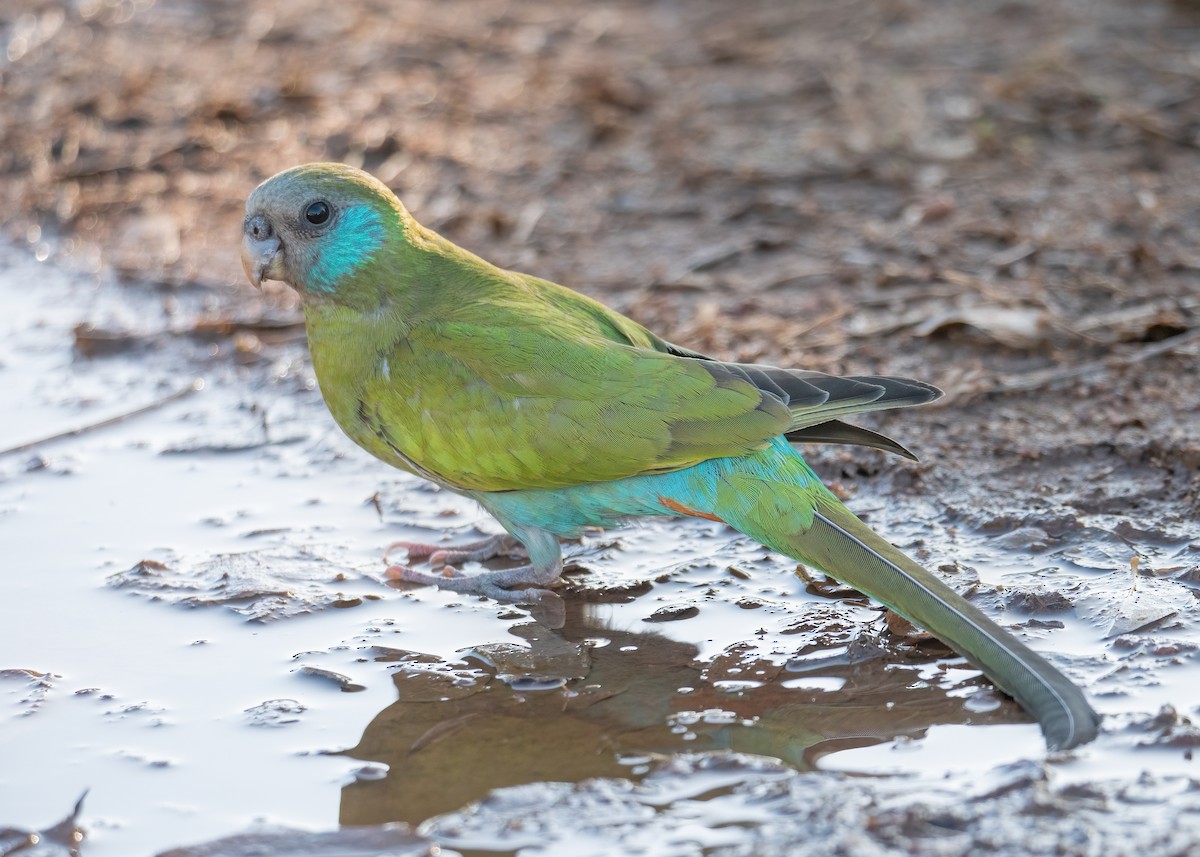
[(195, 627)]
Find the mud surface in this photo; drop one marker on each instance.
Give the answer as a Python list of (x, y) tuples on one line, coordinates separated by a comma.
[(195, 623)]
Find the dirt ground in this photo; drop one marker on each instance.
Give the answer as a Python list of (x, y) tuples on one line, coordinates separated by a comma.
[(996, 197)]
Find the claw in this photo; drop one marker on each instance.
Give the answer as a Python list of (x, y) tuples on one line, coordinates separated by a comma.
[(411, 575), (416, 550), (480, 551), (523, 585), (490, 584)]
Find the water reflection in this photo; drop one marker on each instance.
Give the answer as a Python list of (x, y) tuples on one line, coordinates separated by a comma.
[(585, 700)]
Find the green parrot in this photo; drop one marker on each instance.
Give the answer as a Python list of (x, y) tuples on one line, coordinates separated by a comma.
[(556, 413)]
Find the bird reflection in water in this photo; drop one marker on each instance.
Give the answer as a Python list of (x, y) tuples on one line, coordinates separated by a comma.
[(586, 700)]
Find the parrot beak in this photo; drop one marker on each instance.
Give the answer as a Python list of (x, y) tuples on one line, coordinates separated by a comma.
[(262, 251)]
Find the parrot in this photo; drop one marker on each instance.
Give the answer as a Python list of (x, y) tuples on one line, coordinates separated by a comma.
[(558, 414)]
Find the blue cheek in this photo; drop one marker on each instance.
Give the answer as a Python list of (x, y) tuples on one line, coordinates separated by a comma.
[(355, 237)]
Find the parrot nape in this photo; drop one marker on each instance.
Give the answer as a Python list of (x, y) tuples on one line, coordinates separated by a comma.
[(556, 413)]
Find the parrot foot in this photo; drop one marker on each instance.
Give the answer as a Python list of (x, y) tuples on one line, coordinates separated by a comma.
[(497, 585), (485, 549)]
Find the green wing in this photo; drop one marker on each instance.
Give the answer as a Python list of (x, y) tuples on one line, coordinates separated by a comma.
[(488, 409), (561, 391)]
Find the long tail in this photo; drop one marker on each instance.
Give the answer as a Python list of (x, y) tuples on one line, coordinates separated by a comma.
[(844, 547)]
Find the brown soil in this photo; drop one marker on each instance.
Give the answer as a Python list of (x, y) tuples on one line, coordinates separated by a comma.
[(997, 197)]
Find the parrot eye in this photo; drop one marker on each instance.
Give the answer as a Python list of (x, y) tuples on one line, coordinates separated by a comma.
[(317, 212)]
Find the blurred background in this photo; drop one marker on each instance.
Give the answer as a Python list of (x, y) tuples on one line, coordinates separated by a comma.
[(994, 196), (789, 167)]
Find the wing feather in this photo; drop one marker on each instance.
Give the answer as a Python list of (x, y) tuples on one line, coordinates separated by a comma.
[(519, 401)]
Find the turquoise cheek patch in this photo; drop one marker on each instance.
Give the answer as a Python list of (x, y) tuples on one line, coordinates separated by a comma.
[(357, 234)]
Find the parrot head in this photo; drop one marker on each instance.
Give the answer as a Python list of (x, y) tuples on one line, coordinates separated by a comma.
[(316, 225)]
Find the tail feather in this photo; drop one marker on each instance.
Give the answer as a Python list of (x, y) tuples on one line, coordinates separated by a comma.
[(836, 431), (891, 393), (844, 547)]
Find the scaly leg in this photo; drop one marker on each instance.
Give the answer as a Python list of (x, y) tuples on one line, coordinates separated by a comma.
[(485, 549), (526, 583)]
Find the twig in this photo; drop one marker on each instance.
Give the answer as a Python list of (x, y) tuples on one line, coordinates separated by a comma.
[(1046, 378), (706, 261), (792, 279), (1014, 254), (989, 290), (193, 387), (828, 318)]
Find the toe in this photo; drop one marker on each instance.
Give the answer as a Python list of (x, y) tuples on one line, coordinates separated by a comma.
[(416, 550), (429, 578)]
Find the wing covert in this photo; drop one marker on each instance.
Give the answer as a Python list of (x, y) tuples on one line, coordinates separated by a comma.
[(491, 410)]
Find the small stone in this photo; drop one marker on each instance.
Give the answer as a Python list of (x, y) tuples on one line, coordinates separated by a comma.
[(673, 613)]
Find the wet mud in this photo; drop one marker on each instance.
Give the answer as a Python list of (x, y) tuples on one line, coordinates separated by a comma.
[(222, 605)]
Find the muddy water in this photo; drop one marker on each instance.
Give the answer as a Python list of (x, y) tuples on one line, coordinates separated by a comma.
[(195, 627)]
